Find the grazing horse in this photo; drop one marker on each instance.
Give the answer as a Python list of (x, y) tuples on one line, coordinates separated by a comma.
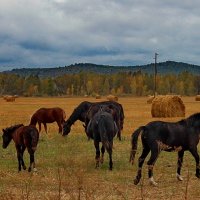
[(80, 113), (156, 136), (102, 128), (24, 137), (48, 115), (110, 108)]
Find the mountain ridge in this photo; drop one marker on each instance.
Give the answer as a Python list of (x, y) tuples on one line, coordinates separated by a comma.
[(167, 67)]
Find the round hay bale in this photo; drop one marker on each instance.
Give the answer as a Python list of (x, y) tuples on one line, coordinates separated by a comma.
[(98, 96), (167, 106), (9, 98), (197, 98), (150, 99), (112, 98)]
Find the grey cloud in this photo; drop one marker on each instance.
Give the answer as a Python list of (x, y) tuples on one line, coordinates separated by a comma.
[(61, 32)]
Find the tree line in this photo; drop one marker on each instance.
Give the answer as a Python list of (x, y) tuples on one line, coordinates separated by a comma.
[(80, 84)]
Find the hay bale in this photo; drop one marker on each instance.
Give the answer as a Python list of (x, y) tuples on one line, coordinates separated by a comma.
[(167, 106), (197, 98), (9, 98), (111, 97), (150, 99), (98, 96)]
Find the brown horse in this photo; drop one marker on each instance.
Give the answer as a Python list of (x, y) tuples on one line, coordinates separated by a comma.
[(24, 137), (48, 115)]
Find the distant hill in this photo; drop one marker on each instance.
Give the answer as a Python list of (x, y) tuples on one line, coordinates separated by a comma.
[(162, 67)]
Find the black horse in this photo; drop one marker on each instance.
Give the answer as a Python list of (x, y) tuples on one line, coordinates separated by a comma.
[(102, 128), (110, 108), (80, 113), (167, 136), (24, 137)]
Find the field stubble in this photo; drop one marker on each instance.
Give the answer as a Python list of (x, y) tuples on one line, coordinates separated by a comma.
[(66, 165)]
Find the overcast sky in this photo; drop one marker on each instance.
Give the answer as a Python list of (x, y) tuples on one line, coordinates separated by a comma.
[(52, 33)]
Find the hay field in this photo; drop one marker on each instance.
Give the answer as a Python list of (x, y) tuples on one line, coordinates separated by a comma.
[(66, 166)]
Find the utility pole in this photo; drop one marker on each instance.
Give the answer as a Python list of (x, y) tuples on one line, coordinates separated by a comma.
[(155, 74)]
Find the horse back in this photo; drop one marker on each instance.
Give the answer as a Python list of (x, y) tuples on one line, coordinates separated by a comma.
[(59, 114), (171, 134), (26, 135), (49, 115), (102, 126)]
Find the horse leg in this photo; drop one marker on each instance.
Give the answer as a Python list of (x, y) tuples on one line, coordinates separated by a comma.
[(60, 127), (179, 165), (141, 159), (102, 153), (20, 151), (195, 154), (19, 157), (32, 160), (97, 157), (110, 156), (22, 160), (119, 135), (154, 155), (45, 127)]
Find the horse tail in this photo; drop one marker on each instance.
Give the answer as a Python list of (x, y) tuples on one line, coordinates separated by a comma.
[(134, 142), (106, 137), (34, 134)]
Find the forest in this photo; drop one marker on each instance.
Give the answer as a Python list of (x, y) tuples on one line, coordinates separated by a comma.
[(91, 84)]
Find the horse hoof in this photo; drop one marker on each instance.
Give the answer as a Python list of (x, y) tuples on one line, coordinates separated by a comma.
[(179, 177), (34, 169), (136, 181), (24, 167), (197, 175), (152, 182), (97, 167), (29, 169)]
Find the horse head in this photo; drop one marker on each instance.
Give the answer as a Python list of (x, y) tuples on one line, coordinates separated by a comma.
[(7, 134), (66, 128)]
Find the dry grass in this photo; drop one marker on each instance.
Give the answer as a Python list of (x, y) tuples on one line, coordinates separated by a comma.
[(66, 165)]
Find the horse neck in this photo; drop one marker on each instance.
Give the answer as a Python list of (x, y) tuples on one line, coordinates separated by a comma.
[(11, 135), (33, 120), (76, 115)]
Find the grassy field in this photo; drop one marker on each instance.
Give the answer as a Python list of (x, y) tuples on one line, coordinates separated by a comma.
[(66, 165)]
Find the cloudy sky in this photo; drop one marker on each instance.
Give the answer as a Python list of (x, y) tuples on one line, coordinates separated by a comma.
[(52, 33)]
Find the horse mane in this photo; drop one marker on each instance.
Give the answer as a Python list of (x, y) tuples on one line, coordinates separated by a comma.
[(13, 128)]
